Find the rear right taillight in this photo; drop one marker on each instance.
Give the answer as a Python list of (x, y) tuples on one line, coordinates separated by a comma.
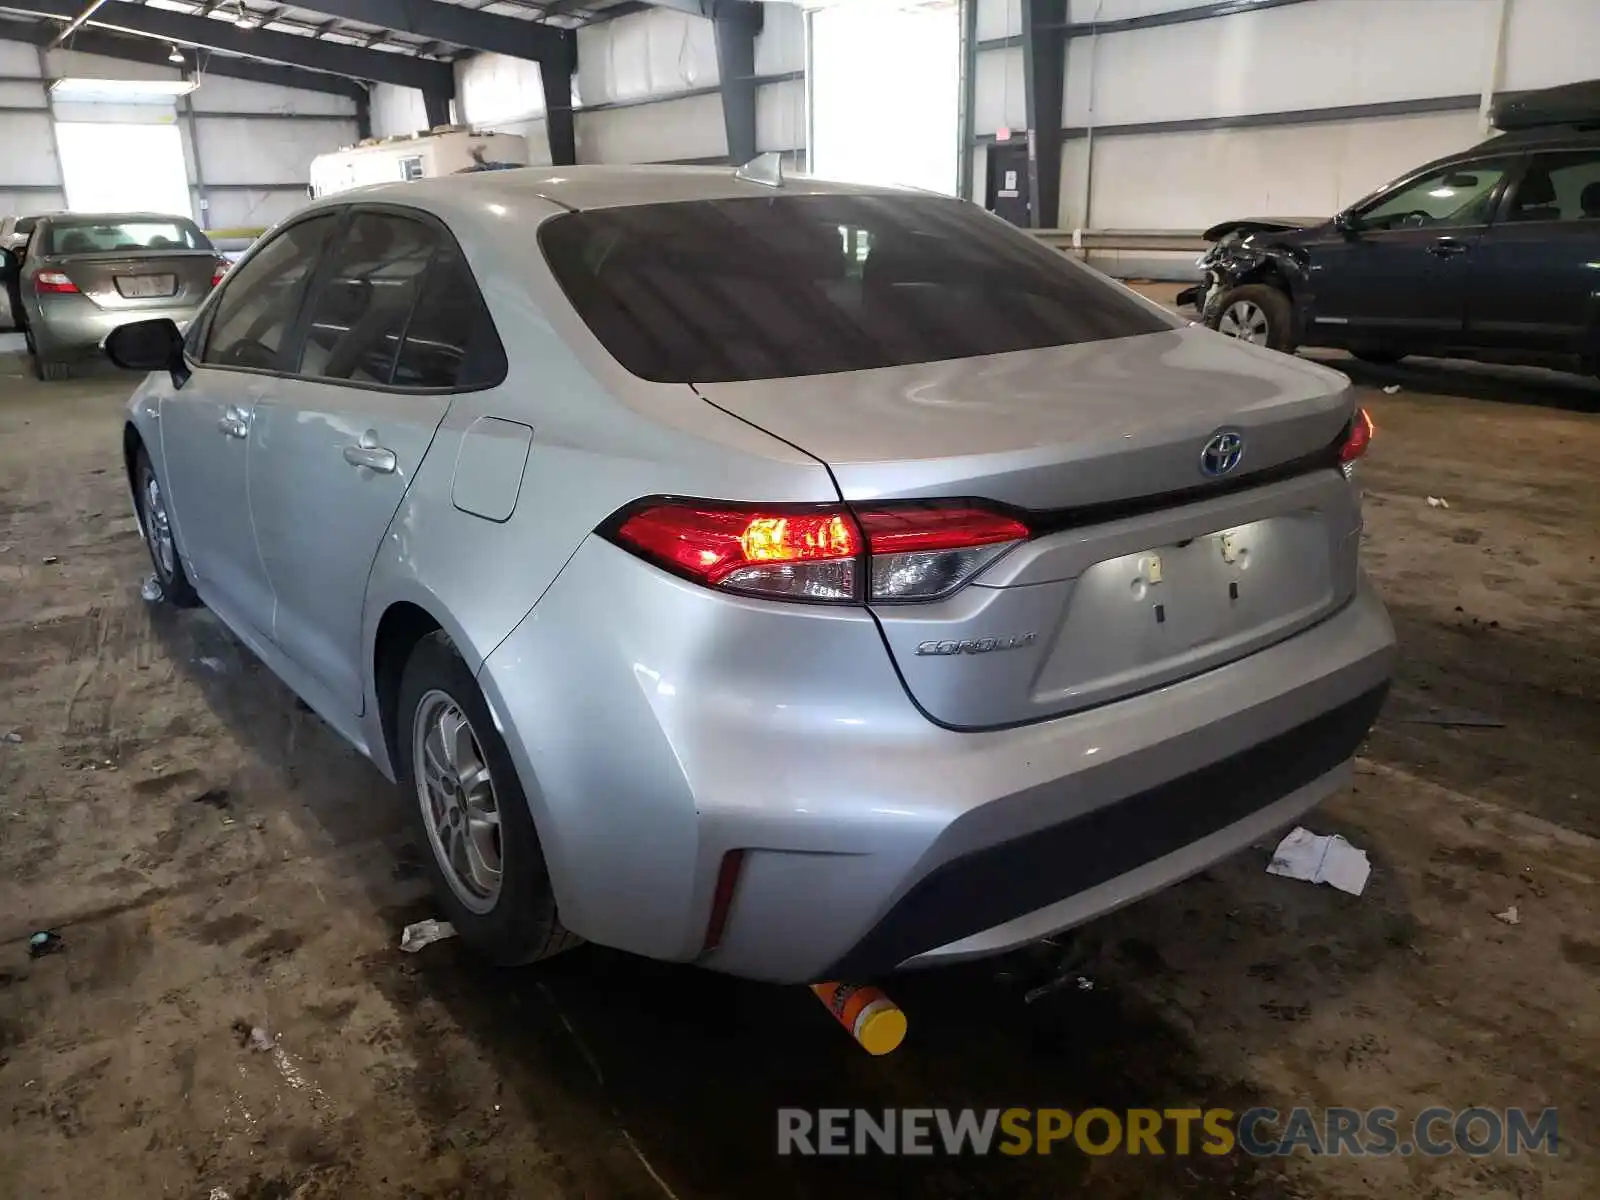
[(1356, 440), (894, 553), (218, 271), (48, 283)]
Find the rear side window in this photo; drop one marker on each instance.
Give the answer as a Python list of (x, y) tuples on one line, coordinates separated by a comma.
[(361, 308), (1559, 187), (451, 341), (716, 291), (261, 297)]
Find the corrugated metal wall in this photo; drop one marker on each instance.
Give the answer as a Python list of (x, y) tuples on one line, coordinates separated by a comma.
[(247, 145), (1268, 80), (646, 91)]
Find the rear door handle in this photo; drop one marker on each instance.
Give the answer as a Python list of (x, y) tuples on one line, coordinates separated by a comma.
[(235, 422), (374, 458), (1447, 248)]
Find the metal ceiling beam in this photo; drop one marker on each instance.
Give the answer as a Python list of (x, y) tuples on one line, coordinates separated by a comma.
[(184, 29), (452, 23), (78, 21), (92, 41)]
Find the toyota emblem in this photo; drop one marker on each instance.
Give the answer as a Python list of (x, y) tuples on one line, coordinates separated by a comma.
[(1222, 453)]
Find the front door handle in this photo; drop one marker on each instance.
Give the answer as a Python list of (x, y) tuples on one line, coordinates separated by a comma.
[(1447, 248), (235, 423), (374, 458)]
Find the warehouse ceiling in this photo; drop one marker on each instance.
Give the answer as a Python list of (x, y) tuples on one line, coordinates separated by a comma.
[(359, 39)]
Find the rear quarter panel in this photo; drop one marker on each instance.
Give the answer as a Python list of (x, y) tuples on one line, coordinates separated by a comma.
[(601, 439)]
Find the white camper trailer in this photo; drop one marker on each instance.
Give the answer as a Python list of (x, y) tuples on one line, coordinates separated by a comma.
[(444, 152)]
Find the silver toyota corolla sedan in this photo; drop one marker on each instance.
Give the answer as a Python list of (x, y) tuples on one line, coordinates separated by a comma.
[(82, 275), (802, 581)]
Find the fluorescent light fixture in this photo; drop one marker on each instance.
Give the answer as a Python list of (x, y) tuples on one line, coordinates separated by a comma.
[(175, 55), (121, 89)]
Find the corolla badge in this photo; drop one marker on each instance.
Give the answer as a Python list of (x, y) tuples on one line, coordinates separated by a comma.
[(984, 645), (1222, 453)]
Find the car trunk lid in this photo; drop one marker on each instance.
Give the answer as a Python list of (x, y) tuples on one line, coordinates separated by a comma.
[(1143, 568), (133, 281)]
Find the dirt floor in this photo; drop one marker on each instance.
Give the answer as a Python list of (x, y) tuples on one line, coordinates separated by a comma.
[(214, 859)]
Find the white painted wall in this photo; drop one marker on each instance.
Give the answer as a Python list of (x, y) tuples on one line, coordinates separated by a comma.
[(397, 111), (1322, 54), (632, 76), (661, 132), (781, 115), (999, 96), (652, 53), (1191, 180)]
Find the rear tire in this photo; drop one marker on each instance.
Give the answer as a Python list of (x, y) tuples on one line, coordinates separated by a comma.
[(155, 521), (1256, 312), (489, 877), (46, 369)]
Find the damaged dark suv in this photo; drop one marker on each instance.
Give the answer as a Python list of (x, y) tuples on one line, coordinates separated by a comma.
[(1493, 253)]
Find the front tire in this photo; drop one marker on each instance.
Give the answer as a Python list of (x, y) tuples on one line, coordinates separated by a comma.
[(156, 521), (1257, 313), (485, 862)]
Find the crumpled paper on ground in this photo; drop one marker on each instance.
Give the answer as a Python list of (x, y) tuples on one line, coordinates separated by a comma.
[(1321, 858)]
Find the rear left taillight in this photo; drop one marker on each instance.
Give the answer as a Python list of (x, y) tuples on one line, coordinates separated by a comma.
[(218, 271), (1356, 441), (886, 554), (53, 283)]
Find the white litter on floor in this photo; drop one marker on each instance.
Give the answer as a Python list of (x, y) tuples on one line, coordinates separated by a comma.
[(425, 933), (1321, 858)]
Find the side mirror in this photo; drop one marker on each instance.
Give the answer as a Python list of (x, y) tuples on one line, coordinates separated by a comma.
[(149, 346), (1347, 223)]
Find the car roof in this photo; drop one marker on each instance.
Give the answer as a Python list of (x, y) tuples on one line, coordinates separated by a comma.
[(112, 217), (589, 187)]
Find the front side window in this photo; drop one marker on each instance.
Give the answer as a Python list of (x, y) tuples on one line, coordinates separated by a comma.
[(261, 298), (1559, 187), (1455, 196), (110, 235), (712, 291), (361, 309)]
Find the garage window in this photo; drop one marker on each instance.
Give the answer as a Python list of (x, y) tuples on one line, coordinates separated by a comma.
[(724, 290)]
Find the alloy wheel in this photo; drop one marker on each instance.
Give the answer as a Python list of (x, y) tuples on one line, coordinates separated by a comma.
[(1246, 321), (457, 796), (158, 528)]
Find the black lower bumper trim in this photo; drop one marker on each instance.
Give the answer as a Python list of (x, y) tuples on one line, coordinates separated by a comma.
[(1000, 883)]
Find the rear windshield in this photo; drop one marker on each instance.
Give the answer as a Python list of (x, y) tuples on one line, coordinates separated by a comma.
[(715, 291), (91, 236)]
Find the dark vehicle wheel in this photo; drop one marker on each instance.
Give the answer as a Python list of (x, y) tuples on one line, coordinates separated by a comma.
[(156, 521), (1256, 312), (47, 369), (487, 869), (1377, 355)]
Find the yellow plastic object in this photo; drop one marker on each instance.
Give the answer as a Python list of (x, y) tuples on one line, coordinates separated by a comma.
[(867, 1014)]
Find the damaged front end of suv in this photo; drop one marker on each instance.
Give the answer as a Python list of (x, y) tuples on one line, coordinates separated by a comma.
[(1251, 274)]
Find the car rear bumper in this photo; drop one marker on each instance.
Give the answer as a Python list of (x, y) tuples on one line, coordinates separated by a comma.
[(76, 325), (658, 726)]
